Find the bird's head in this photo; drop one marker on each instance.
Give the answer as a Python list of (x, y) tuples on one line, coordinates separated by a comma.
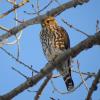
[(49, 22)]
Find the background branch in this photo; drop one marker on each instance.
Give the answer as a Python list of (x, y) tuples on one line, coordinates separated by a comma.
[(84, 82), (41, 9), (14, 8), (54, 12), (42, 87), (20, 62), (94, 85)]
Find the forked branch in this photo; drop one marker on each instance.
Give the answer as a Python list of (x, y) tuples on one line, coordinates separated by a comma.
[(53, 12)]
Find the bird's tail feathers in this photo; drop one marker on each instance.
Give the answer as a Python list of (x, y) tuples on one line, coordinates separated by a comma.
[(65, 71), (68, 81)]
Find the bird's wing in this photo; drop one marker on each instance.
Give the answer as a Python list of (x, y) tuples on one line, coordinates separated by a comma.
[(66, 37)]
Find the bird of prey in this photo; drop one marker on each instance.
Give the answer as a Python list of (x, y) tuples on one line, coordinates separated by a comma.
[(55, 40)]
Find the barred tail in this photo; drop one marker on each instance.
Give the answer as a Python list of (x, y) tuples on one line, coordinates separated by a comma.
[(68, 81), (65, 70)]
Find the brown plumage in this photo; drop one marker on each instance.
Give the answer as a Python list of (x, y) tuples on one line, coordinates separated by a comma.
[(55, 40)]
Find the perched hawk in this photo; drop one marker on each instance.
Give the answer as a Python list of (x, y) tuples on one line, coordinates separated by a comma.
[(55, 40)]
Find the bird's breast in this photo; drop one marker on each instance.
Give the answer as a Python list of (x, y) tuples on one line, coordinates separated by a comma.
[(52, 43)]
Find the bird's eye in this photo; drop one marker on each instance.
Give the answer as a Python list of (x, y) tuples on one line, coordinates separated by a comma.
[(47, 21)]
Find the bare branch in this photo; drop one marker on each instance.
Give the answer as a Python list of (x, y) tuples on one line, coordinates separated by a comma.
[(85, 73), (4, 28), (52, 98), (75, 71), (54, 12), (82, 77), (42, 87), (14, 8), (40, 10), (50, 66), (67, 92), (97, 26), (71, 26), (20, 73), (94, 84), (18, 60)]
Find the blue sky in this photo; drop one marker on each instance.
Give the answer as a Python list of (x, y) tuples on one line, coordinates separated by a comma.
[(83, 17)]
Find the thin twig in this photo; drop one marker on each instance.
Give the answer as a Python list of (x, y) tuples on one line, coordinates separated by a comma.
[(18, 37), (31, 91), (52, 98), (57, 2), (85, 73), (32, 71), (67, 92), (31, 13), (93, 86), (18, 46), (12, 1), (57, 75), (75, 71), (17, 40), (18, 60), (3, 42), (18, 20), (82, 77), (42, 87), (71, 26), (4, 28), (20, 73), (97, 26), (38, 8), (15, 7)]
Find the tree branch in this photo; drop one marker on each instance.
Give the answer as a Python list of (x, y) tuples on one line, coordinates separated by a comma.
[(94, 84), (14, 8), (54, 12), (67, 92), (50, 66), (84, 82), (42, 87)]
